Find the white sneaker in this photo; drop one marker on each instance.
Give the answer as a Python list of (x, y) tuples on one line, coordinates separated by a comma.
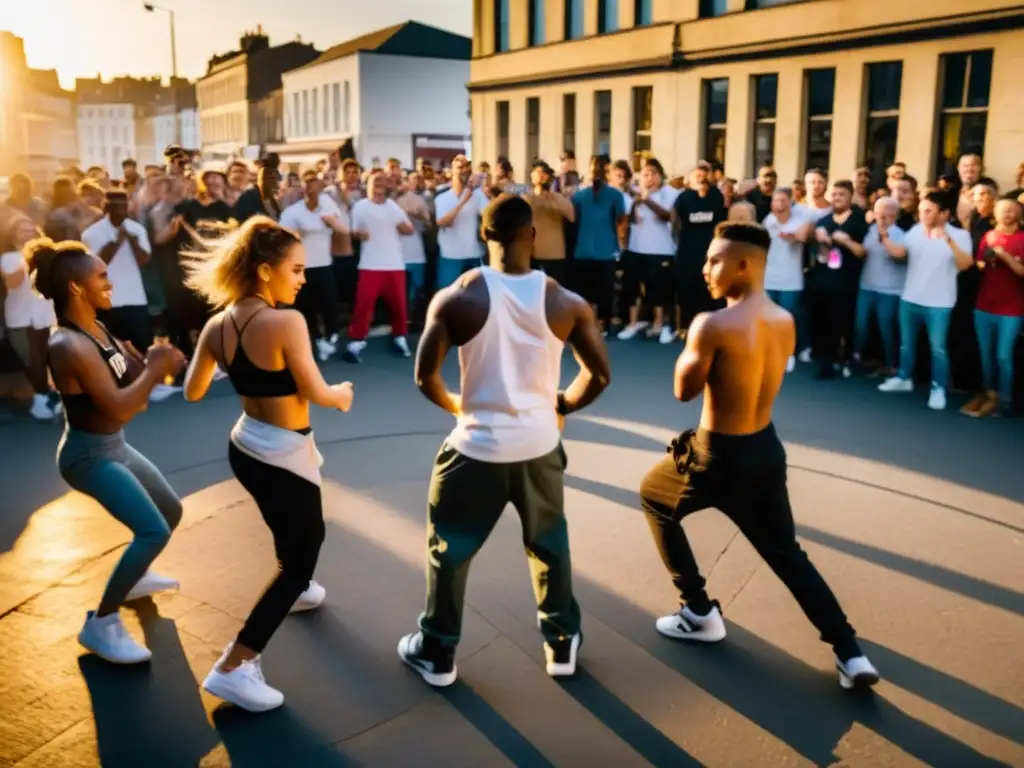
[(162, 392), (896, 384), (219, 374), (937, 399), (667, 335), (561, 661), (354, 351), (402, 345), (631, 330), (857, 672), (791, 364), (244, 686), (41, 410), (150, 584), (334, 339), (325, 350), (312, 598), (687, 625), (847, 372), (108, 639), (805, 355)]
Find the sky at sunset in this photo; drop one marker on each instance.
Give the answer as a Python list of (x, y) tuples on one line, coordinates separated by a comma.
[(81, 38)]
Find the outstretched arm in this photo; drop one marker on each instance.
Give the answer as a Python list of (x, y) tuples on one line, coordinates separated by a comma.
[(433, 348), (298, 356), (595, 370), (694, 365), (203, 366)]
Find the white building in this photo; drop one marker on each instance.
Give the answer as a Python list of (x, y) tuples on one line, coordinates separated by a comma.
[(106, 135), (399, 92), (188, 128)]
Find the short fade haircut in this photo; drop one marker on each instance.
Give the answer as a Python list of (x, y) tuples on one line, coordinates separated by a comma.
[(743, 232), (843, 184), (115, 194), (939, 198), (505, 218)]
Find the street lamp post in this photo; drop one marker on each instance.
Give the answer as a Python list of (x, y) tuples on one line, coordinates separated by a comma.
[(174, 59)]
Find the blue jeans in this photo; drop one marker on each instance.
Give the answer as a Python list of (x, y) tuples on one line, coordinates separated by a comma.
[(450, 270), (883, 306), (936, 323), (999, 332), (131, 489), (415, 276), (790, 301)]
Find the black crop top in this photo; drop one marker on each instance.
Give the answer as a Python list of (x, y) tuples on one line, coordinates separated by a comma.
[(249, 380), (79, 405)]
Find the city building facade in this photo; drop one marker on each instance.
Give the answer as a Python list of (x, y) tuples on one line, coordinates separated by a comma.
[(398, 92), (834, 84), (106, 133), (239, 99)]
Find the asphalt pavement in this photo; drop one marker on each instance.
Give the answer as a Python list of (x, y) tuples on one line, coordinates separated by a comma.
[(914, 517)]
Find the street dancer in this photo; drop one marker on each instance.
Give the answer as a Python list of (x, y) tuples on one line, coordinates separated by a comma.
[(734, 461), (103, 384), (272, 451), (510, 323)]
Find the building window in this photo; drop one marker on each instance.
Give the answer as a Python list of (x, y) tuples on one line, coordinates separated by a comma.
[(820, 90), (643, 115), (336, 106), (501, 37), (502, 117), (537, 22), (607, 16), (347, 107), (573, 19), (766, 89), (711, 8), (602, 122), (532, 129), (643, 13), (963, 116), (883, 118), (716, 109), (569, 122)]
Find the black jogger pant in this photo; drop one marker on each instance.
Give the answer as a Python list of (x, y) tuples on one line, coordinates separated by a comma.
[(292, 509), (466, 499), (319, 299), (744, 477)]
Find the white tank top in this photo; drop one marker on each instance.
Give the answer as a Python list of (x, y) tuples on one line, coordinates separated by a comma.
[(510, 373)]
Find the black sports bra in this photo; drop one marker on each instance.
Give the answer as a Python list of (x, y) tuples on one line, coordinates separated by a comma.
[(250, 380), (79, 405)]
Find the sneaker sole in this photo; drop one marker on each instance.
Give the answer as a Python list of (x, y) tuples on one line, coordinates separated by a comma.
[(432, 679), (131, 596), (225, 695), (861, 682), (696, 637), (305, 607), (111, 659), (567, 669)]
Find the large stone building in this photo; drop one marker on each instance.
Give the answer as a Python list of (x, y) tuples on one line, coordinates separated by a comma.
[(799, 83), (240, 99)]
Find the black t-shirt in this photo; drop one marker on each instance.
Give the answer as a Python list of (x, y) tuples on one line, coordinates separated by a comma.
[(841, 270), (698, 217), (762, 203), (906, 220), (194, 211)]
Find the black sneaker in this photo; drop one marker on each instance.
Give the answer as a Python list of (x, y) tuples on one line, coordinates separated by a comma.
[(561, 657), (434, 662)]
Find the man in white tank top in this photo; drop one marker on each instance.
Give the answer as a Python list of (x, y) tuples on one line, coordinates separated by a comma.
[(510, 324)]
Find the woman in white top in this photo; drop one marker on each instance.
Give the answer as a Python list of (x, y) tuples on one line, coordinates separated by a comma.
[(648, 260), (28, 316)]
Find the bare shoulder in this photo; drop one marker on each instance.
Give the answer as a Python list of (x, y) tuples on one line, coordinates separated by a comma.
[(776, 314), (562, 297), (63, 343)]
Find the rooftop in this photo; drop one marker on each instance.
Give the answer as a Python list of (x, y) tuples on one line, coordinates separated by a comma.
[(410, 38)]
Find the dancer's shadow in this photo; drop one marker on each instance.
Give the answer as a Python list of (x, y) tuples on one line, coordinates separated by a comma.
[(281, 737), (148, 714)]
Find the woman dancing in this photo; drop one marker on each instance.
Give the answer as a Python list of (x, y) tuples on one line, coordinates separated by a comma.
[(268, 356), (103, 383)]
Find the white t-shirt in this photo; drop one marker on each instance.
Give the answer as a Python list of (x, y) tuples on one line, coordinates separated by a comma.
[(882, 273), (931, 267), (316, 236), (24, 308), (123, 270), (810, 214), (461, 240), (383, 251), (785, 268), (647, 233)]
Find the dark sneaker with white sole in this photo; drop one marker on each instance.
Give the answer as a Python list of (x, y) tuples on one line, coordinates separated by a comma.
[(434, 661), (560, 657), (857, 673), (687, 625)]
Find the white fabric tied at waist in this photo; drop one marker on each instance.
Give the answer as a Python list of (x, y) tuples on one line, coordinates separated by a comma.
[(278, 447)]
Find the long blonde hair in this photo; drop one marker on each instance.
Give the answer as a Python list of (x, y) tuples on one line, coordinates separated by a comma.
[(225, 271)]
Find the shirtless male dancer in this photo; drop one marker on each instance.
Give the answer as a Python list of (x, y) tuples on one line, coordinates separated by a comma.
[(510, 323), (734, 461)]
